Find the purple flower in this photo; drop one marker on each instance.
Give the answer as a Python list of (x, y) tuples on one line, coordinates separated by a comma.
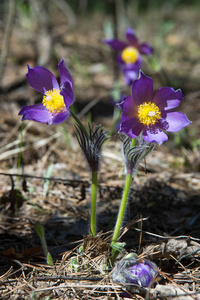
[(150, 115), (130, 59), (140, 272), (54, 108)]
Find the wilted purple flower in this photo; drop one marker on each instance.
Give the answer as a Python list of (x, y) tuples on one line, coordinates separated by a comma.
[(130, 57), (150, 115), (54, 108), (140, 272)]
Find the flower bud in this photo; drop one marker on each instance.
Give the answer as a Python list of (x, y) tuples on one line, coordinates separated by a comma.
[(140, 272), (91, 143), (133, 154)]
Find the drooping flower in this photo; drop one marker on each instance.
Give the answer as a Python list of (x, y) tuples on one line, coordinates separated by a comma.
[(150, 115), (54, 108), (130, 56), (140, 272)]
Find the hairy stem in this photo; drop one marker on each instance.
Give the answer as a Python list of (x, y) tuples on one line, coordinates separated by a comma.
[(93, 203), (122, 208)]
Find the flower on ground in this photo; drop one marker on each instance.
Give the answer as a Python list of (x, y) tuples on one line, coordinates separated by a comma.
[(140, 272), (54, 108), (130, 57), (150, 115)]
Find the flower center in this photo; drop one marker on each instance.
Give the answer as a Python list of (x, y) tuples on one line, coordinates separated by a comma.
[(148, 113), (130, 55), (53, 101)]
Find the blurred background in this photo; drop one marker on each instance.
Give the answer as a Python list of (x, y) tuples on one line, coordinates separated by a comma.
[(41, 32)]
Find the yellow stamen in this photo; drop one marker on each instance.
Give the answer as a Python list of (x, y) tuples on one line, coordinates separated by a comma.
[(130, 55), (148, 113), (53, 101)]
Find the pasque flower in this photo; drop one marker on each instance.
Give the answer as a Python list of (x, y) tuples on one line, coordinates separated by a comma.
[(141, 272), (150, 114), (130, 56), (54, 108)]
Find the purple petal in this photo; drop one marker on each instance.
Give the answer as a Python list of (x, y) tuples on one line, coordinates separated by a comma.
[(131, 37), (60, 117), (141, 274), (41, 79), (130, 71), (142, 89), (64, 74), (128, 107), (116, 44), (67, 94), (120, 62), (130, 76), (152, 134), (173, 121), (151, 267), (131, 127), (166, 98), (37, 113), (145, 48)]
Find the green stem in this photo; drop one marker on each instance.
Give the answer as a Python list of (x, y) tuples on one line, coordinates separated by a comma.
[(40, 231), (93, 203), (79, 122), (122, 208)]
